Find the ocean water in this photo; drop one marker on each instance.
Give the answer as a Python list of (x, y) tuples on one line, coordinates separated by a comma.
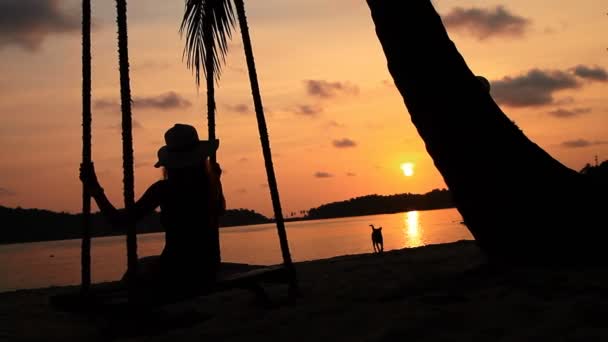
[(57, 263)]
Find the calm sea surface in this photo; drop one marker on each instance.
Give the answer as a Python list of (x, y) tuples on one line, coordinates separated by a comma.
[(42, 264)]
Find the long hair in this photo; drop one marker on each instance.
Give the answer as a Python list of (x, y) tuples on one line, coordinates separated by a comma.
[(203, 173), (216, 193)]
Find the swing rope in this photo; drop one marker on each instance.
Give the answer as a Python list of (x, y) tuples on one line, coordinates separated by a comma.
[(85, 260)]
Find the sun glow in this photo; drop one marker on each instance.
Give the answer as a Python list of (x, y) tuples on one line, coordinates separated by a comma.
[(413, 235), (408, 169)]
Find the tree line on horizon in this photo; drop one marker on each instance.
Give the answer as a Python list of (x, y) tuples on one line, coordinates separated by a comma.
[(29, 225), (384, 204)]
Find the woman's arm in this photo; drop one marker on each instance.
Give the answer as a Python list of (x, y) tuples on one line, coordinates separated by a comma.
[(145, 205)]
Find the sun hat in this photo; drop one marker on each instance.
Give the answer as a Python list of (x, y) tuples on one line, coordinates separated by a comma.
[(183, 147)]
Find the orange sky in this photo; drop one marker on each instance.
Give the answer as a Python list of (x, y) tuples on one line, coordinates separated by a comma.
[(346, 139)]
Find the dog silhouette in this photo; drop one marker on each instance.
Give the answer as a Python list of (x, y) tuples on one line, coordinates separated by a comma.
[(377, 239)]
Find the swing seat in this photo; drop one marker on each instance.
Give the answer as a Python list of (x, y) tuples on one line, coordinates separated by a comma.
[(114, 296)]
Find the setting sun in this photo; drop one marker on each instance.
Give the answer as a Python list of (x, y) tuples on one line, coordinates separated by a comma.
[(408, 169)]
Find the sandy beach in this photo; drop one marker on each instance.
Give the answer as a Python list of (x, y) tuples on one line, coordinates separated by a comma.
[(434, 293)]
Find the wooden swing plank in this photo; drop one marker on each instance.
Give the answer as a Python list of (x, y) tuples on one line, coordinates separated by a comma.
[(235, 276), (276, 273)]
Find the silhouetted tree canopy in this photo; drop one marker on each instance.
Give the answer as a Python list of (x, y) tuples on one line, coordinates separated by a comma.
[(599, 173), (378, 204), (28, 225)]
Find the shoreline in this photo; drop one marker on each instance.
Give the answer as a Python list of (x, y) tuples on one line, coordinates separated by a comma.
[(434, 293), (145, 231)]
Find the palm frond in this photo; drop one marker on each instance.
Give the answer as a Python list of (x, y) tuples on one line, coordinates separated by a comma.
[(207, 19)]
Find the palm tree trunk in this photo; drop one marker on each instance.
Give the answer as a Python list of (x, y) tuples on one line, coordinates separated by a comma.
[(259, 111), (127, 136), (85, 253), (519, 203), (209, 67)]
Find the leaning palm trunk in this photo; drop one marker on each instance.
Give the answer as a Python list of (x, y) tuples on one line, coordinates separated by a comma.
[(259, 111), (85, 261), (127, 137), (518, 202)]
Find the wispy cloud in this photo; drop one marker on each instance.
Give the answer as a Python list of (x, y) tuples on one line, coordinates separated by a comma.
[(351, 174), (535, 88), (334, 123), (595, 73), (5, 192), (308, 110), (26, 23), (580, 143), (239, 108), (151, 65), (166, 101), (326, 89), (134, 124), (106, 104), (388, 83), (169, 100), (322, 174), (142, 163), (243, 109), (569, 113), (344, 143), (485, 23)]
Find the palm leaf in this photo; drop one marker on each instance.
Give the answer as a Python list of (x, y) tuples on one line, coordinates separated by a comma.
[(207, 19)]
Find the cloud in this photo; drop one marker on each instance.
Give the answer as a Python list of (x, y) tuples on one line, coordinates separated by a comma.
[(166, 101), (26, 23), (4, 192), (388, 83), (321, 174), (169, 100), (580, 143), (242, 108), (308, 110), (535, 88), (139, 164), (237, 69), (325, 89), (334, 123), (151, 65), (351, 174), (592, 73), (569, 113), (485, 23), (106, 104), (239, 108), (134, 124), (344, 143)]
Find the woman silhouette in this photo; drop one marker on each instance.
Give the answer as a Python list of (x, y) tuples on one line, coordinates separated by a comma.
[(190, 199)]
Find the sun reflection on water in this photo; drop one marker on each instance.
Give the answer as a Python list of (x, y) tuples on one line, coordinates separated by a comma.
[(412, 231)]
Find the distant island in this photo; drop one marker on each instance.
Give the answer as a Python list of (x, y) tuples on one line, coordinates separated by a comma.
[(383, 204), (29, 225)]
